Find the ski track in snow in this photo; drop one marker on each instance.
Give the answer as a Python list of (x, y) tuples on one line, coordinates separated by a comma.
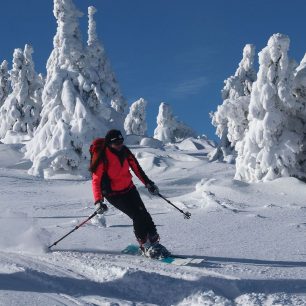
[(251, 237), (114, 276), (76, 274)]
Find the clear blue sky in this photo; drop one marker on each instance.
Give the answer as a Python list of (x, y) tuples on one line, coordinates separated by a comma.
[(175, 51)]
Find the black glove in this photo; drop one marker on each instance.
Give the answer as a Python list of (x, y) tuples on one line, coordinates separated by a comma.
[(101, 207), (153, 189)]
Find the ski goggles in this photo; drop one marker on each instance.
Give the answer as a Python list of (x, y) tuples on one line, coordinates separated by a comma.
[(118, 141)]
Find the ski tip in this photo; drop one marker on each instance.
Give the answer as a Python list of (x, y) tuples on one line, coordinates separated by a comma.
[(131, 249), (167, 260)]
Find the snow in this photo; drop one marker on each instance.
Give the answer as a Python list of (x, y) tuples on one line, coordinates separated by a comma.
[(250, 235), (247, 236), (151, 142), (23, 232)]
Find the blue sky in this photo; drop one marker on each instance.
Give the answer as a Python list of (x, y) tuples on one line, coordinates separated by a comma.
[(175, 51)]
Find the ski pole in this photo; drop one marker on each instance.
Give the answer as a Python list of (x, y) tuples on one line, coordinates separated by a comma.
[(56, 242), (186, 214)]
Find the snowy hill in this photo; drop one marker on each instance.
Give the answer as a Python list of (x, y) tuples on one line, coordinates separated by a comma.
[(251, 237)]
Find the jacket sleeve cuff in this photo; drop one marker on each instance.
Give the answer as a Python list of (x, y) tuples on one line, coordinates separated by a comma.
[(98, 201)]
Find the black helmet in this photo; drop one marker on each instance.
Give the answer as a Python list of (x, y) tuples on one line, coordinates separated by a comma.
[(114, 136)]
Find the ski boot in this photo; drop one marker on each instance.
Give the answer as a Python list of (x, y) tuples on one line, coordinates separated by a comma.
[(157, 251), (151, 248)]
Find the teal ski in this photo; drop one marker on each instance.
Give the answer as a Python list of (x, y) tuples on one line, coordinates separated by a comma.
[(133, 249)]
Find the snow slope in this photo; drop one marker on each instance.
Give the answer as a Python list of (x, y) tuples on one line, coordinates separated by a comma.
[(251, 237)]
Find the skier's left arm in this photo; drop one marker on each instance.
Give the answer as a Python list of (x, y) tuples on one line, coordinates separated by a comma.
[(134, 164)]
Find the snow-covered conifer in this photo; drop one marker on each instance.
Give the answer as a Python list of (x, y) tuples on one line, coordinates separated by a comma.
[(135, 121), (299, 84), (20, 113), (230, 119), (169, 129), (106, 87), (5, 84), (240, 84), (73, 112), (299, 91), (270, 147)]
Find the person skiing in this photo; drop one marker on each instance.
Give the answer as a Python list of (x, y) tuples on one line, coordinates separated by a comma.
[(111, 179)]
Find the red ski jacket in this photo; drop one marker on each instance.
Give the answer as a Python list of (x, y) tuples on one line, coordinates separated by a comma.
[(118, 172)]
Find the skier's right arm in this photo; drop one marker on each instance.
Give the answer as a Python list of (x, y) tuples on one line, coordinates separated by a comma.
[(96, 183)]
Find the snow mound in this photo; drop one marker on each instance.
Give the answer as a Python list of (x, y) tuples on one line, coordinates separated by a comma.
[(143, 141), (207, 298), (258, 299), (195, 144), (132, 139), (152, 161), (152, 143)]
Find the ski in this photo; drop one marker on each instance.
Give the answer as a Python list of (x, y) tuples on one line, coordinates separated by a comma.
[(177, 260)]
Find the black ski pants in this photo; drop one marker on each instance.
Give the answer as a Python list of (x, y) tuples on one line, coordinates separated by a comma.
[(131, 204)]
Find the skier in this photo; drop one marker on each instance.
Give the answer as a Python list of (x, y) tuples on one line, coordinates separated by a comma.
[(111, 179)]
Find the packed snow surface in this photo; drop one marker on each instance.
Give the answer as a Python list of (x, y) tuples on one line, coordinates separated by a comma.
[(251, 237)]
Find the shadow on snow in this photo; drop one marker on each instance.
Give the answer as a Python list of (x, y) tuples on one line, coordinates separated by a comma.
[(146, 287)]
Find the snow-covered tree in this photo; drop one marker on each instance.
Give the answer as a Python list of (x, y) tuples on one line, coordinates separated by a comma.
[(74, 112), (20, 113), (135, 122), (5, 83), (241, 83), (299, 83), (299, 91), (273, 141), (169, 129), (105, 87), (230, 119)]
